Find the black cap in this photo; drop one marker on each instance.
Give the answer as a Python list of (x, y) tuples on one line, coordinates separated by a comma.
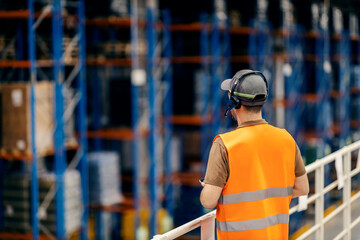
[(251, 87)]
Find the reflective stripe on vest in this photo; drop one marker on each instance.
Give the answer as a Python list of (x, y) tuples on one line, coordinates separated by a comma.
[(253, 224), (255, 195)]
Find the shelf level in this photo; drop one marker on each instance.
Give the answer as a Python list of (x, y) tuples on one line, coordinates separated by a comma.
[(24, 14), (126, 205), (119, 62), (26, 63), (192, 120), (241, 30), (20, 236), (189, 27), (189, 59), (19, 156), (112, 134)]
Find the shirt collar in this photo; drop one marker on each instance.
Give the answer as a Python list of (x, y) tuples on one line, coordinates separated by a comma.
[(252, 123)]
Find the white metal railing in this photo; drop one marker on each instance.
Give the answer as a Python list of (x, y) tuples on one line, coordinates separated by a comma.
[(344, 173), (205, 222)]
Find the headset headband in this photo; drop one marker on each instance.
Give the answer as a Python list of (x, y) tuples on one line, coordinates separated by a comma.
[(255, 100)]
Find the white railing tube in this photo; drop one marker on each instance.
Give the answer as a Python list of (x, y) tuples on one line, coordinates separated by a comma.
[(206, 222)]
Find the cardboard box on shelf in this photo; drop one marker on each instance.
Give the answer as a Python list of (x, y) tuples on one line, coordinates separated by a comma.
[(16, 118)]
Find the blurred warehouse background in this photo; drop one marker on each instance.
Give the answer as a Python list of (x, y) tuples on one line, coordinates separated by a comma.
[(108, 108)]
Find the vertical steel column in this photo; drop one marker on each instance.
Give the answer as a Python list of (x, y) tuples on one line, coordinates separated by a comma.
[(153, 119), (60, 157), (227, 69), (135, 65), (34, 177), (168, 112), (204, 53), (344, 89), (83, 165), (216, 81)]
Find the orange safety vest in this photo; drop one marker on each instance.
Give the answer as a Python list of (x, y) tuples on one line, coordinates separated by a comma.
[(254, 203)]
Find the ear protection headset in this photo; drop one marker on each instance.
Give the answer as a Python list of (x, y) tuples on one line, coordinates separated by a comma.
[(236, 99)]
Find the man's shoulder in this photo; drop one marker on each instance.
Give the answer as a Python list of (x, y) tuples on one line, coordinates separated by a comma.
[(280, 131)]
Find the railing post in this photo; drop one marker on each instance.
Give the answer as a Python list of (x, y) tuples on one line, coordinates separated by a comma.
[(347, 194), (208, 229), (319, 204)]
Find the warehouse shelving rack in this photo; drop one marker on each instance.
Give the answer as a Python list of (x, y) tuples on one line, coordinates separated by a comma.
[(289, 99), (261, 58), (289, 92), (220, 70), (355, 79), (340, 93), (136, 132), (144, 95), (76, 79), (160, 103)]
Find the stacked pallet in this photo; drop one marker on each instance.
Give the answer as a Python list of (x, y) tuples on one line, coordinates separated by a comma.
[(17, 207), (104, 180), (15, 118)]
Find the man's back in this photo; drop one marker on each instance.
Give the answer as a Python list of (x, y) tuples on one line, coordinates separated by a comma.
[(255, 200)]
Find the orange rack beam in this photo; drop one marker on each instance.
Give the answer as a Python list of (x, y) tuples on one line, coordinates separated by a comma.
[(127, 204), (118, 134), (187, 59), (241, 59), (355, 123), (187, 178), (190, 27), (111, 21), (311, 57), (20, 156), (312, 35), (19, 14), (120, 62), (335, 94), (14, 14), (354, 38), (26, 63), (311, 97), (14, 64), (355, 90), (241, 30), (195, 120), (19, 236)]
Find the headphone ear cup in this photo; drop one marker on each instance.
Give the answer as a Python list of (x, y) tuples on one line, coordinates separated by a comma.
[(236, 101)]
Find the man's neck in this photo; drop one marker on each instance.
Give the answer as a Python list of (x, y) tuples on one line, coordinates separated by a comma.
[(242, 118)]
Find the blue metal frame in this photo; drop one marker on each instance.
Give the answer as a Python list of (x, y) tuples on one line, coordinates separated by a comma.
[(135, 64), (323, 121), (83, 165), (205, 78), (227, 73), (216, 76), (34, 177), (168, 112), (60, 157), (294, 48), (153, 120), (261, 58), (342, 49)]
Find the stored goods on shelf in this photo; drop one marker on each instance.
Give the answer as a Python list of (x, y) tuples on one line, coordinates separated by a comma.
[(104, 178), (16, 121)]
